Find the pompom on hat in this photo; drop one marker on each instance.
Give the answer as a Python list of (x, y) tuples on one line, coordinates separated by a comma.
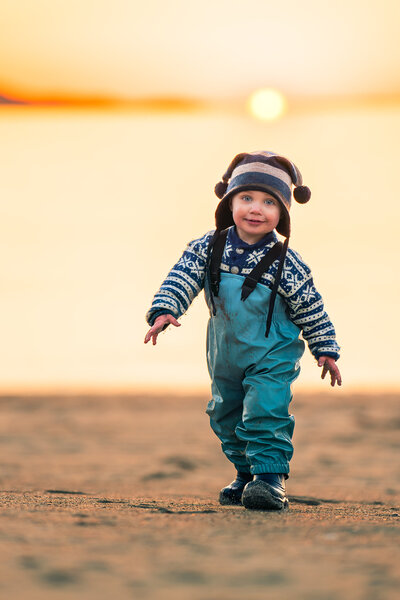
[(265, 171)]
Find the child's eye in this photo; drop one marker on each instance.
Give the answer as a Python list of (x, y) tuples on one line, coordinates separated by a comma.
[(246, 197), (269, 201)]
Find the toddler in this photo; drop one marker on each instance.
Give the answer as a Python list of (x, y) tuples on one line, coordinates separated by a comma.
[(261, 296)]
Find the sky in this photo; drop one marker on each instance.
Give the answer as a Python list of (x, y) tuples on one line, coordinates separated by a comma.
[(98, 202), (207, 50)]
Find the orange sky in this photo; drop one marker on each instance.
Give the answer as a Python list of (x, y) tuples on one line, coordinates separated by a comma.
[(210, 50)]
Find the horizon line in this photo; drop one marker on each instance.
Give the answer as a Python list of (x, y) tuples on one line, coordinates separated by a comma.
[(173, 103)]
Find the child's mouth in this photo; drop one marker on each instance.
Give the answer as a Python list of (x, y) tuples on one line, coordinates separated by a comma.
[(253, 221)]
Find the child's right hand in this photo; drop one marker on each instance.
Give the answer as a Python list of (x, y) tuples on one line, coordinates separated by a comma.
[(158, 326)]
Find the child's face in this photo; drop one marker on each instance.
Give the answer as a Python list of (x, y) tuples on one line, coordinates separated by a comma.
[(255, 214)]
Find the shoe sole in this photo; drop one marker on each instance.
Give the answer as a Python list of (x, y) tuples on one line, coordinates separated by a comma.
[(230, 501), (261, 499)]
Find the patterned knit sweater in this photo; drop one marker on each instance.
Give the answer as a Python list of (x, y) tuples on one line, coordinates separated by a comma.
[(305, 305)]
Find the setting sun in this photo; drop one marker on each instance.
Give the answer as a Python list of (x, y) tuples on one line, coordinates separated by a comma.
[(267, 104)]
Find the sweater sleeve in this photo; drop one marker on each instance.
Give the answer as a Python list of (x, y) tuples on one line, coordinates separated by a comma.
[(306, 307), (183, 283)]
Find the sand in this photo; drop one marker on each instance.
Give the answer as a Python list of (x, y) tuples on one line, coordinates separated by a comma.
[(116, 496)]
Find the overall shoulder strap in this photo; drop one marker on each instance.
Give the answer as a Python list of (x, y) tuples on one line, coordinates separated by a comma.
[(255, 275), (276, 285), (217, 251)]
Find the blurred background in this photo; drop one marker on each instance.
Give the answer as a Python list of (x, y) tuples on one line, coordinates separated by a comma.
[(118, 118)]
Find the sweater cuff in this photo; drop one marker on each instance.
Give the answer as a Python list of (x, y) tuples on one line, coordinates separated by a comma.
[(334, 355), (153, 316)]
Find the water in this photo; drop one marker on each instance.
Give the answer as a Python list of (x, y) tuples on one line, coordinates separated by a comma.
[(96, 207)]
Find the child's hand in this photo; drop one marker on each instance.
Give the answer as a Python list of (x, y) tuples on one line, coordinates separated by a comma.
[(158, 326), (330, 365)]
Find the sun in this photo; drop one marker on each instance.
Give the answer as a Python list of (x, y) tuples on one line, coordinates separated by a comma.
[(267, 104)]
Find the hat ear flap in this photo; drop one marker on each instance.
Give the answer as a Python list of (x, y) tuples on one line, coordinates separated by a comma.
[(223, 215)]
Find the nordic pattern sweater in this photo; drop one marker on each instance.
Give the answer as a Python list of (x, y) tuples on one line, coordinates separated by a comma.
[(305, 305)]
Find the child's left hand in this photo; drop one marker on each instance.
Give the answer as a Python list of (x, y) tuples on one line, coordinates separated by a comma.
[(330, 365)]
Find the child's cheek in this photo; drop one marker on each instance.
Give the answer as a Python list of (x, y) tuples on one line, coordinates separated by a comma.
[(236, 218), (237, 214)]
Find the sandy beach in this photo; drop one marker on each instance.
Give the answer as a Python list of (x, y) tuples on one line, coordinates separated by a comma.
[(105, 496)]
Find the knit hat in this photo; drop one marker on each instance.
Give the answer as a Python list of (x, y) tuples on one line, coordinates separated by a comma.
[(265, 171)]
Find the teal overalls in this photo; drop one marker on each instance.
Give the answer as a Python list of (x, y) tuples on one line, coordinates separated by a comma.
[(251, 375)]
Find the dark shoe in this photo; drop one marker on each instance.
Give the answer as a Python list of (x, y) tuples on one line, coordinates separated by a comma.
[(232, 493), (267, 493)]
